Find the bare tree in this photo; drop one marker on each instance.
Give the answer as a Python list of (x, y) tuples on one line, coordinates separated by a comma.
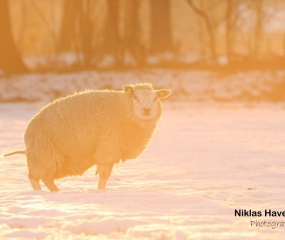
[(258, 26), (67, 26), (232, 15), (111, 35), (161, 29), (49, 29), (10, 58), (132, 43), (77, 30), (201, 33), (86, 30), (208, 25)]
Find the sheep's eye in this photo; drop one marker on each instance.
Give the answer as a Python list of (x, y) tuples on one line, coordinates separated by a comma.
[(135, 98)]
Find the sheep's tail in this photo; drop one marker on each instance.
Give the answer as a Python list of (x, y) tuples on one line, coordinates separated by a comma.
[(15, 152)]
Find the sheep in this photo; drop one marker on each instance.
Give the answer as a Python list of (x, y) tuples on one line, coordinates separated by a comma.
[(93, 127)]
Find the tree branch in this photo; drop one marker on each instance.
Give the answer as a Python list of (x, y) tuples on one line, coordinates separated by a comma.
[(204, 16)]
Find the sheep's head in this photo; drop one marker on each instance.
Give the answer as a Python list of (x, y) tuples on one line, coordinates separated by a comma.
[(146, 101)]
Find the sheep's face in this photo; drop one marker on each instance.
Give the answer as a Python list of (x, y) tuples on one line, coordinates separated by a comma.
[(146, 103)]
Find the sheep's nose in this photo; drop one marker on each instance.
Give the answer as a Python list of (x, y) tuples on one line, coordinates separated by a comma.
[(146, 111)]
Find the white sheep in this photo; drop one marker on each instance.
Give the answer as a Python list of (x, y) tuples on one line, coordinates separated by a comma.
[(73, 133)]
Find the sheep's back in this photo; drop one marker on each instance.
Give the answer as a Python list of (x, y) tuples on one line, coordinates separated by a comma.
[(74, 125)]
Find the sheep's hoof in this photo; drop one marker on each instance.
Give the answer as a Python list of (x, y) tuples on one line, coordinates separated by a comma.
[(101, 183), (51, 185)]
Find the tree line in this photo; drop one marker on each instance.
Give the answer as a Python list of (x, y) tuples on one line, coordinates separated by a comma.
[(119, 33)]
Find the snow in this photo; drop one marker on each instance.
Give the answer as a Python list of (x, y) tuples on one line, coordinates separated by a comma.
[(186, 85), (205, 161)]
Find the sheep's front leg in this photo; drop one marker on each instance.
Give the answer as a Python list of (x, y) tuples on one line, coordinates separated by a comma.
[(104, 171), (35, 183)]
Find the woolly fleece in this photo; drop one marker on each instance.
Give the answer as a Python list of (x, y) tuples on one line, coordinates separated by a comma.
[(76, 132)]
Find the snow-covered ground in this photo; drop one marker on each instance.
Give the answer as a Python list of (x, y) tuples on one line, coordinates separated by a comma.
[(185, 85), (205, 161)]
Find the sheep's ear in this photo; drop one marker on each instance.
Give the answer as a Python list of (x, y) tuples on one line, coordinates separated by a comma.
[(163, 93), (128, 89)]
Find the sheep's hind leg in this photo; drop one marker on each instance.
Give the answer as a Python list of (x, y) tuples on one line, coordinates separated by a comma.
[(104, 171), (35, 184), (50, 185)]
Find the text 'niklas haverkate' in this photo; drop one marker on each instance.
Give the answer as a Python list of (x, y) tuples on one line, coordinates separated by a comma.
[(253, 213)]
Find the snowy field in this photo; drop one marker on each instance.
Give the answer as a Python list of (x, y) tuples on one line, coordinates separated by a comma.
[(185, 85), (205, 161)]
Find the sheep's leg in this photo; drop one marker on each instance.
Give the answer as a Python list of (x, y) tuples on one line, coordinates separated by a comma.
[(35, 184), (104, 171), (50, 185)]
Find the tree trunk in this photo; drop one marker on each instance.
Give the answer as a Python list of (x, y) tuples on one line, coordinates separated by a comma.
[(201, 35), (86, 30), (67, 26), (258, 27), (161, 29), (10, 58), (209, 27), (132, 34), (112, 37), (229, 30), (77, 30)]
